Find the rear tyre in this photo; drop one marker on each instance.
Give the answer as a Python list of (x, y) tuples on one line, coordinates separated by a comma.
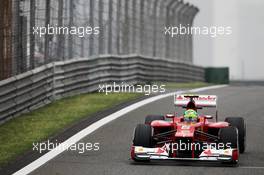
[(239, 123), (151, 118), (143, 136)]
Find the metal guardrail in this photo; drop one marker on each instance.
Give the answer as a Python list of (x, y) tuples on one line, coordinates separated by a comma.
[(40, 86), (26, 91)]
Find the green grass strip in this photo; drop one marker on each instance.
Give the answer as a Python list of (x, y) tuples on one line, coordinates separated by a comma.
[(18, 134)]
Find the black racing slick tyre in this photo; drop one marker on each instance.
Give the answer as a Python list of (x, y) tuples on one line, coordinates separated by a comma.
[(143, 136), (151, 118), (229, 137), (239, 123)]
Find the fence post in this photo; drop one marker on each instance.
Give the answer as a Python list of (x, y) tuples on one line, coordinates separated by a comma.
[(83, 38), (18, 39), (47, 22), (71, 15), (182, 37), (101, 26), (110, 34), (185, 37), (142, 28), (155, 27), (32, 36), (168, 23), (176, 13), (134, 24), (173, 21), (160, 28), (190, 17), (23, 32), (126, 31), (91, 22), (118, 10), (5, 39), (163, 24), (61, 39)]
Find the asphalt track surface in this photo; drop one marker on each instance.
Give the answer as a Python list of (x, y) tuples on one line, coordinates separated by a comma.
[(115, 140)]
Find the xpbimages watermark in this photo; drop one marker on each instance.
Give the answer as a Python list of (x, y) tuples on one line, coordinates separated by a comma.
[(212, 31), (130, 88), (188, 146), (79, 147), (62, 30)]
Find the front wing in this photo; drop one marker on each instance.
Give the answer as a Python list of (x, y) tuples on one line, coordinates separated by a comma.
[(160, 153)]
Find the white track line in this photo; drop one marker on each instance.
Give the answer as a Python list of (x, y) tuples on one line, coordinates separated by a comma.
[(251, 167), (91, 128)]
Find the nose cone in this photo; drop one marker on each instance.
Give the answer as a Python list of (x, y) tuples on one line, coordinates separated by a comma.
[(185, 130)]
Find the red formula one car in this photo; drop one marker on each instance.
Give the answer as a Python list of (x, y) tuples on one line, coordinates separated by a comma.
[(176, 139)]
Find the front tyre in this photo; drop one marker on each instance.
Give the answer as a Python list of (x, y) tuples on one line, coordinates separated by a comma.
[(239, 123), (229, 138), (143, 136)]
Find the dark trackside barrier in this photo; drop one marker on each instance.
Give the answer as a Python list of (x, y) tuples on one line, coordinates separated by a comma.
[(217, 75)]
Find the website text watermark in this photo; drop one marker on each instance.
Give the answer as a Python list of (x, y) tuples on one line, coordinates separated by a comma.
[(212, 31), (130, 88), (80, 31), (79, 147)]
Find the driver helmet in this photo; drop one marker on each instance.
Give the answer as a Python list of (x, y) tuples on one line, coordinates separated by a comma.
[(190, 115)]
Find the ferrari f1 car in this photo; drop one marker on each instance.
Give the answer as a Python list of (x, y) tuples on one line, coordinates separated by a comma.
[(206, 139)]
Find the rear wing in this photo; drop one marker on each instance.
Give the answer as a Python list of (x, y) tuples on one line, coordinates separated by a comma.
[(200, 100)]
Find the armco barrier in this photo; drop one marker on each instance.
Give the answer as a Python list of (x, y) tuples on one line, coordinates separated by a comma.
[(38, 87)]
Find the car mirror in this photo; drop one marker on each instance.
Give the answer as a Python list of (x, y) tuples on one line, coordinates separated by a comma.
[(169, 115), (208, 116)]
